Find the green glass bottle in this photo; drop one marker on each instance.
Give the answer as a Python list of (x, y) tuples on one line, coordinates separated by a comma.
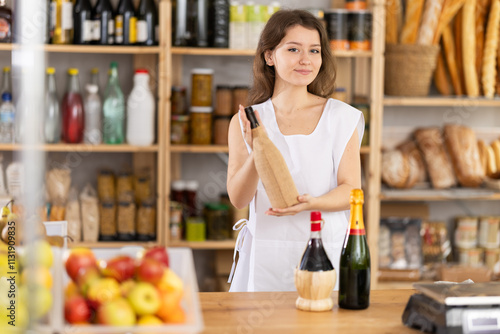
[(113, 109), (354, 273)]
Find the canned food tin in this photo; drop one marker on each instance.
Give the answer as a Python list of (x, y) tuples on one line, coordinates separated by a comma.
[(471, 257), (201, 125), (466, 232), (179, 132), (201, 87), (360, 30), (489, 236), (336, 26), (491, 257)]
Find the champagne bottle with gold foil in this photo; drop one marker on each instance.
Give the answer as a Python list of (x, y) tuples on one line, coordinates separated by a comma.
[(354, 273), (271, 167)]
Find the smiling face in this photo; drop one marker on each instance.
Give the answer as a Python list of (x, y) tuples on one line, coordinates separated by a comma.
[(297, 59)]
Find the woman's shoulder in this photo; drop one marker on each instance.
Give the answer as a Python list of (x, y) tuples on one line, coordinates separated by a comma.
[(340, 106)]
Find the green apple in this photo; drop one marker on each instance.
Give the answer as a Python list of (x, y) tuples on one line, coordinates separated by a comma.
[(117, 312), (144, 298), (41, 252)]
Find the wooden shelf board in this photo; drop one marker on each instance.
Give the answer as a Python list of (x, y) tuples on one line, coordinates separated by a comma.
[(81, 148), (209, 244), (439, 101), (199, 148), (194, 51), (479, 194), (91, 49), (112, 244)]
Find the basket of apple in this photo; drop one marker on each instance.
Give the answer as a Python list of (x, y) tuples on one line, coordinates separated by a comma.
[(131, 288)]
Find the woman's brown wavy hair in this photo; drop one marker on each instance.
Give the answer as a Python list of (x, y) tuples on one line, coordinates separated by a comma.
[(274, 31)]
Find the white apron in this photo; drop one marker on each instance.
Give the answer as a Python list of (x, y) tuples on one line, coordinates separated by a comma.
[(269, 247)]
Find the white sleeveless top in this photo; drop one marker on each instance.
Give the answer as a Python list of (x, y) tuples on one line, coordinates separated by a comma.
[(270, 248)]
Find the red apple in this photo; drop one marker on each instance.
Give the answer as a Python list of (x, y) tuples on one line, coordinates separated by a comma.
[(158, 253), (117, 312), (120, 268), (85, 278), (78, 260), (76, 310), (150, 271)]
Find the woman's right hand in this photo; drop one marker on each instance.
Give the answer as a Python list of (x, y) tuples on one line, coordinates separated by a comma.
[(247, 130)]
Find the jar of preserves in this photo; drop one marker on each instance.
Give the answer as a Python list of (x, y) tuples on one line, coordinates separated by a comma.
[(201, 87), (178, 100), (466, 232), (217, 220), (146, 220), (240, 96), (201, 125), (221, 129), (106, 185), (223, 101), (489, 234), (179, 129), (175, 221)]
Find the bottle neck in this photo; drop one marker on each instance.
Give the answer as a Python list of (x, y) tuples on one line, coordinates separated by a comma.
[(113, 76), (6, 86), (357, 224), (315, 230), (74, 84), (51, 83), (315, 235), (94, 79)]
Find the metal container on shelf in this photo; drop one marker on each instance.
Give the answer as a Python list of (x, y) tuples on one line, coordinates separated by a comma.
[(217, 220)]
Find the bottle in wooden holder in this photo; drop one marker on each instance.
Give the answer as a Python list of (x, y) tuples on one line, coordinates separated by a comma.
[(315, 277), (271, 167)]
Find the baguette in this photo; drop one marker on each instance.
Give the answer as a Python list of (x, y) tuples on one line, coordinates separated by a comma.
[(488, 77), (450, 9), (441, 79), (430, 20), (413, 15), (393, 7), (482, 7), (491, 169), (457, 28), (483, 155), (449, 51), (469, 49)]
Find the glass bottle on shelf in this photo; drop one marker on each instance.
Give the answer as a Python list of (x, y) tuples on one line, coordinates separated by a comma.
[(5, 23), (52, 121), (141, 111), (354, 273), (82, 20), (7, 117), (125, 23), (93, 119), (103, 31), (61, 16), (6, 81), (147, 23), (73, 110), (220, 23), (113, 109)]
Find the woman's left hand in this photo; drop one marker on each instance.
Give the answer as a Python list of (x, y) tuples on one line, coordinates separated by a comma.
[(303, 205)]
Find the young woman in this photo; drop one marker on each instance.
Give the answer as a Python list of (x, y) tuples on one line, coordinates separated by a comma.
[(319, 137)]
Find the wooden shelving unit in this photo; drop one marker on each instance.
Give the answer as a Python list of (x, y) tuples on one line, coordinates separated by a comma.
[(422, 195), (81, 148), (440, 101), (108, 49), (209, 244)]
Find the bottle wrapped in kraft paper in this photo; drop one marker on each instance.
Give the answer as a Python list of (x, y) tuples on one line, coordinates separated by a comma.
[(271, 167)]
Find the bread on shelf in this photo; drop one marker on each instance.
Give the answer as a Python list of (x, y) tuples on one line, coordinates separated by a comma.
[(417, 164), (430, 143), (489, 73), (462, 144), (395, 168)]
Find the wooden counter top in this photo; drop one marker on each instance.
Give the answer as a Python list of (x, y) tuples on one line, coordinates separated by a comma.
[(275, 312)]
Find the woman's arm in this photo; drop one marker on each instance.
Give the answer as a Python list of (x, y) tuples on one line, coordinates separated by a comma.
[(242, 177), (348, 178)]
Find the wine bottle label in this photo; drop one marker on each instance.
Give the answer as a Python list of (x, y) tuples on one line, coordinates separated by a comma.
[(132, 30), (88, 27), (353, 231), (96, 30), (142, 31), (119, 29), (67, 16), (4, 28)]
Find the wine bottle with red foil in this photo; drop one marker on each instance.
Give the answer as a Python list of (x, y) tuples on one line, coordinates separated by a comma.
[(271, 166), (315, 276), (354, 273)]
